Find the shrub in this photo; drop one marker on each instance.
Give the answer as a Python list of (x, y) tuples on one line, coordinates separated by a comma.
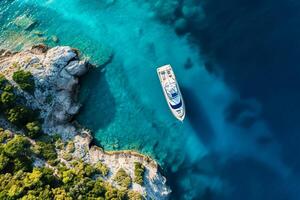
[(33, 178), (122, 179), (14, 155), (47, 150), (114, 194), (33, 129), (68, 175), (23, 163), (139, 171), (8, 99), (98, 188), (16, 147), (4, 135), (48, 177), (89, 170), (102, 169), (83, 169), (19, 180), (3, 81), (25, 80), (131, 195), (8, 88), (67, 156), (59, 144), (16, 65), (70, 147), (53, 162), (18, 115), (4, 160)]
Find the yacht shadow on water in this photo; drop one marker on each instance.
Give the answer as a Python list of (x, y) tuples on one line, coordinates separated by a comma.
[(196, 116), (98, 104)]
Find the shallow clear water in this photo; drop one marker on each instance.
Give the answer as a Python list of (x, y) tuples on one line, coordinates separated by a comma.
[(124, 104)]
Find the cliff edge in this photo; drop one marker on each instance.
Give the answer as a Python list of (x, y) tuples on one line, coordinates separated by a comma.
[(56, 72)]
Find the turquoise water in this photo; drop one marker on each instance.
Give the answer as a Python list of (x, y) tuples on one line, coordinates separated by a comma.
[(122, 101)]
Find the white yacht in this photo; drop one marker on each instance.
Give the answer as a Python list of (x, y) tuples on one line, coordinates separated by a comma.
[(171, 91)]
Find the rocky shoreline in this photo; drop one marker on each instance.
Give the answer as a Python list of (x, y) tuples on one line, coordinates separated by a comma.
[(56, 73)]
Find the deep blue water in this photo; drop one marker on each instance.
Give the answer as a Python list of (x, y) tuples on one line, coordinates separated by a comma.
[(257, 44), (237, 65)]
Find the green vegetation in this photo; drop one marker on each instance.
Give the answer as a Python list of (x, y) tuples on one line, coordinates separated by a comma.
[(134, 196), (33, 129), (18, 115), (3, 82), (25, 80), (15, 155), (70, 147), (67, 156), (8, 98), (46, 150), (16, 65), (19, 179), (14, 110), (8, 88), (102, 169), (122, 179), (4, 135), (139, 171)]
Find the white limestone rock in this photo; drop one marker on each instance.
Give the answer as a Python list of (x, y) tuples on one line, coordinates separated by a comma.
[(77, 68), (56, 73), (59, 56), (66, 81)]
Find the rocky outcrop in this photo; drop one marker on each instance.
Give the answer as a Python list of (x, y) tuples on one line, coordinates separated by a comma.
[(154, 186), (56, 71)]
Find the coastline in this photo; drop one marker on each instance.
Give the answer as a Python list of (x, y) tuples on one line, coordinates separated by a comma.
[(56, 72), (152, 162), (154, 182)]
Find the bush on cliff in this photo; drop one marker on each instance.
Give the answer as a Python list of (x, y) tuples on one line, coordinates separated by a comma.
[(131, 195), (19, 180), (122, 179), (139, 171), (3, 81), (25, 80), (16, 147), (33, 129), (5, 85), (102, 168), (19, 115), (15, 155), (8, 99), (46, 150), (8, 88)]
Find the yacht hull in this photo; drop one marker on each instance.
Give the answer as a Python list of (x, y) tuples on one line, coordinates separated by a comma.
[(171, 91)]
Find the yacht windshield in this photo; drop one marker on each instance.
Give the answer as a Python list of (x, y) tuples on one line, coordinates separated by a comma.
[(171, 90)]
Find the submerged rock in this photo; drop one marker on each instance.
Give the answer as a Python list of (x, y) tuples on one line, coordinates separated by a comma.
[(39, 49), (54, 39), (25, 22), (38, 33)]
